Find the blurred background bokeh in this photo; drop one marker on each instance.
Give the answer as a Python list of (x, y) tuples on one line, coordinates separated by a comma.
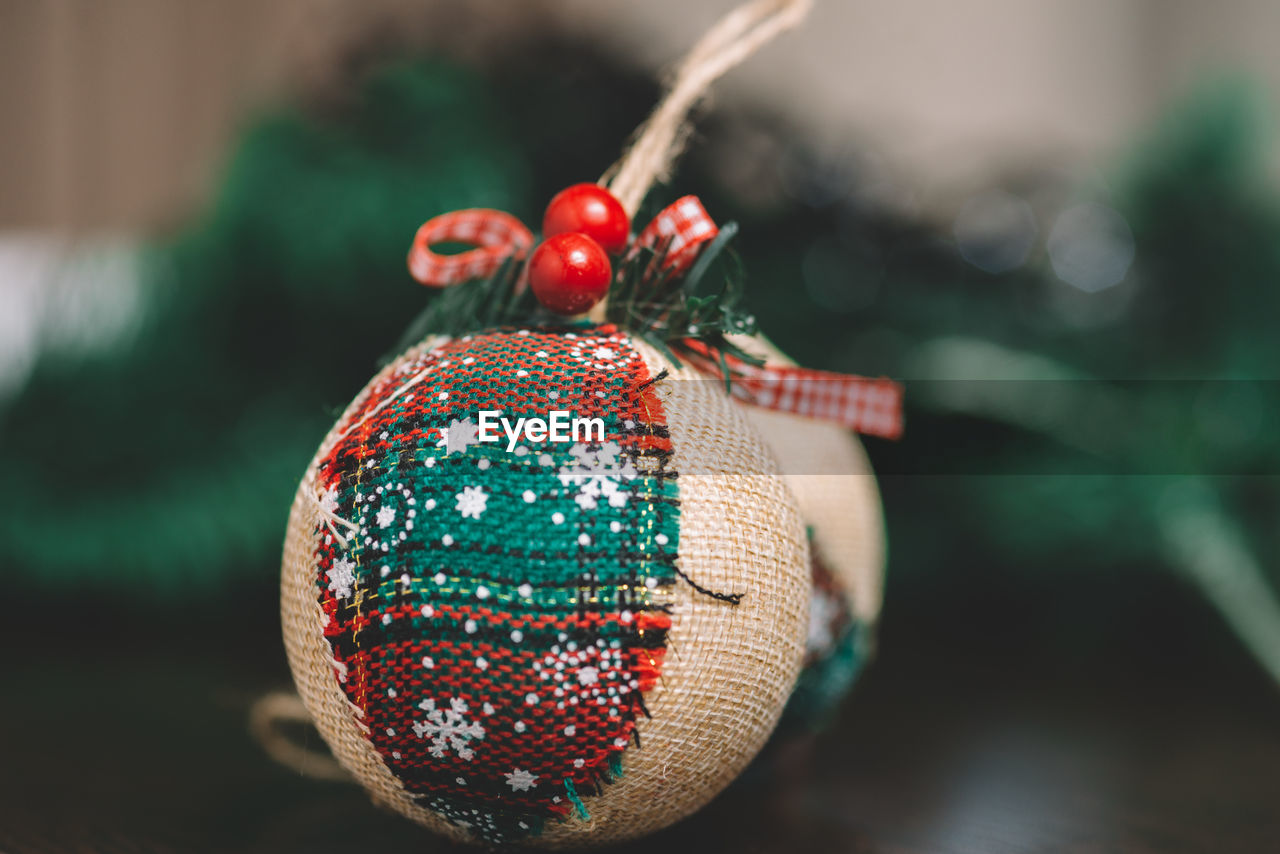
[(1058, 223), (119, 113)]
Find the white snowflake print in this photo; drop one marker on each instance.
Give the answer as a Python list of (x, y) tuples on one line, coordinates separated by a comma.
[(342, 577), (595, 674), (458, 435), (448, 729), (597, 474), (385, 516), (472, 501), (520, 780)]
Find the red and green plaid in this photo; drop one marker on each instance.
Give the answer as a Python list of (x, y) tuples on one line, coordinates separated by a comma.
[(498, 616)]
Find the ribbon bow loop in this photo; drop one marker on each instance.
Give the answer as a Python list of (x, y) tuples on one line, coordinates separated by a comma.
[(685, 226), (497, 236)]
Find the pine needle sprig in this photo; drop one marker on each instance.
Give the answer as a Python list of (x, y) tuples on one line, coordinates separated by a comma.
[(670, 311)]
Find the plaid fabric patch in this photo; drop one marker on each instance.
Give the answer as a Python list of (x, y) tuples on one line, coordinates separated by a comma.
[(686, 223), (498, 616), (497, 236)]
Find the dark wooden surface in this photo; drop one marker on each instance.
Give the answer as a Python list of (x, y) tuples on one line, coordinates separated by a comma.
[(1004, 713)]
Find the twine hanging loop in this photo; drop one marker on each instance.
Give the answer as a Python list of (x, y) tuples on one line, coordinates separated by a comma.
[(659, 140)]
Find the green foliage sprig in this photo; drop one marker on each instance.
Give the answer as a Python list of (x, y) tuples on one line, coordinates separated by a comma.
[(670, 311)]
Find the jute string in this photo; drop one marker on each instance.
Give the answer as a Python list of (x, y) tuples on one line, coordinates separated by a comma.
[(659, 140), (267, 717)]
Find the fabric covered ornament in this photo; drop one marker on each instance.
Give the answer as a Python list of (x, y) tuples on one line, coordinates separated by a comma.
[(545, 582), (507, 638)]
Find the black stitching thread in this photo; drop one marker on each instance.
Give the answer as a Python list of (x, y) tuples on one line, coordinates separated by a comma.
[(731, 598)]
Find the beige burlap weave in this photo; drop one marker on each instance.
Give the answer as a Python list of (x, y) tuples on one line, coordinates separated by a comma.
[(729, 669)]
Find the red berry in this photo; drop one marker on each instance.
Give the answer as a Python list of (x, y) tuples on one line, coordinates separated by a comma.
[(569, 273), (592, 210)]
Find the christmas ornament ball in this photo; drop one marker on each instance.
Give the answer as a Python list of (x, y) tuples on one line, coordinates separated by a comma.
[(540, 642)]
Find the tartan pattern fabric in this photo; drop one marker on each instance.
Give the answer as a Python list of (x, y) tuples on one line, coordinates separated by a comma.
[(497, 617), (871, 406), (686, 224), (496, 234)]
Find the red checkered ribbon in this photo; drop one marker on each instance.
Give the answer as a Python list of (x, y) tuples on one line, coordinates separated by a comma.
[(872, 406), (495, 234), (687, 225), (867, 405)]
